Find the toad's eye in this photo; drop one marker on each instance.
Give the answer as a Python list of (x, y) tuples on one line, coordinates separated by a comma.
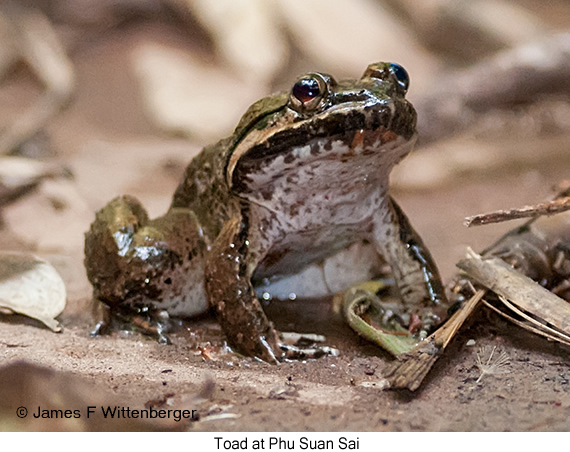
[(401, 75), (308, 93)]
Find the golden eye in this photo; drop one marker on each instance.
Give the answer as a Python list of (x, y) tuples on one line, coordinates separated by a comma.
[(308, 93)]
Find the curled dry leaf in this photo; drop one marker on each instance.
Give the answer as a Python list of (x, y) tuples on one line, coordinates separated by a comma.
[(32, 287)]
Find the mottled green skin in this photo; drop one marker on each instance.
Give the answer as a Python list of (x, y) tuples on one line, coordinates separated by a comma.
[(292, 186)]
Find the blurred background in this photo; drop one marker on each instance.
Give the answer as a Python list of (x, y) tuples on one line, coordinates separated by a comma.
[(104, 97)]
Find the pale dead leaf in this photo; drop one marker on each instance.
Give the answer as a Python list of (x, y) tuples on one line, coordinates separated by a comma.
[(345, 38), (19, 175), (32, 287), (182, 95), (246, 34), (17, 171)]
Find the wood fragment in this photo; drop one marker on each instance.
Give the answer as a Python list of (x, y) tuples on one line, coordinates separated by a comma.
[(544, 208), (520, 290), (411, 368)]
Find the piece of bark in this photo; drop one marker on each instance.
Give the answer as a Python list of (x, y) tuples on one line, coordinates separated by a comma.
[(520, 290)]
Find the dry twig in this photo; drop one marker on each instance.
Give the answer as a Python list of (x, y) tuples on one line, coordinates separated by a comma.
[(544, 208), (520, 290)]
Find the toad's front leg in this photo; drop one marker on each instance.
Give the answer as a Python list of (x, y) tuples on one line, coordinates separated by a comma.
[(423, 303), (231, 294), (229, 267), (422, 297), (414, 270)]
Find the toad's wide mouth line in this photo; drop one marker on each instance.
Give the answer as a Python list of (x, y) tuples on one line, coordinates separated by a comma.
[(339, 125), (391, 119), (325, 160)]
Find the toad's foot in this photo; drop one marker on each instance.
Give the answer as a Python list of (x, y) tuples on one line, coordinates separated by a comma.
[(151, 323), (297, 346)]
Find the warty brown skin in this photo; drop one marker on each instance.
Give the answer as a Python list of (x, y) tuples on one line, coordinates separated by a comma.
[(304, 176)]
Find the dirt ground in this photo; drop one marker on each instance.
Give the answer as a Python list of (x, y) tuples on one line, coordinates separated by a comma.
[(111, 148)]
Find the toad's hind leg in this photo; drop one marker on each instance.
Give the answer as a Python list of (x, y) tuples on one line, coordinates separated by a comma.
[(136, 264)]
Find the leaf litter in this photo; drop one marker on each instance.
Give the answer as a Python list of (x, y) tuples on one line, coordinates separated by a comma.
[(32, 287)]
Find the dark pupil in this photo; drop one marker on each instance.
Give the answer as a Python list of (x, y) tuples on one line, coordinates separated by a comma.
[(401, 75), (306, 89)]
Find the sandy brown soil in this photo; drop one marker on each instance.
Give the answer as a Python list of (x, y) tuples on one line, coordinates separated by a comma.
[(111, 148)]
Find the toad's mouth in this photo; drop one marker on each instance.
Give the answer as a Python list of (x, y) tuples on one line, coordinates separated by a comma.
[(326, 170), (339, 133)]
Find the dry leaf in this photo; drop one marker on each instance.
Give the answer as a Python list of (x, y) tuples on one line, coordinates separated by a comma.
[(246, 34), (18, 175), (15, 171), (31, 286), (183, 96), (34, 40)]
